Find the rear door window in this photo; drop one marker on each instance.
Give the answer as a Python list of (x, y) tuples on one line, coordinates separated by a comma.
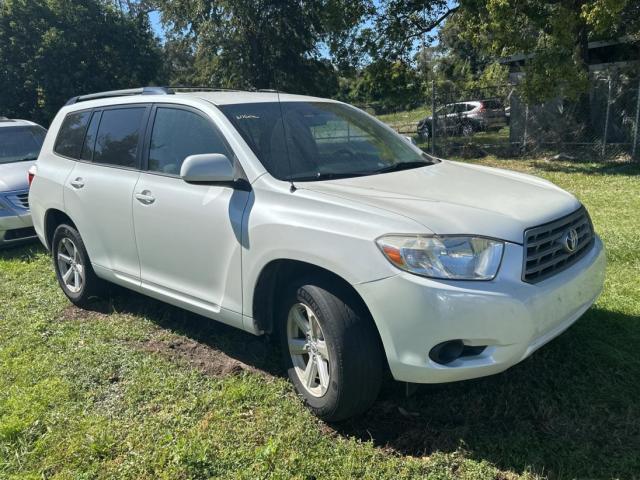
[(118, 136), (178, 133), (71, 134)]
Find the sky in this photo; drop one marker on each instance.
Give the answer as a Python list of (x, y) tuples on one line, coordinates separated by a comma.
[(154, 18), (156, 25)]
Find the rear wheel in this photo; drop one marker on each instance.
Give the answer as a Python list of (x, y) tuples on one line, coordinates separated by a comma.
[(467, 129), (73, 268), (331, 350)]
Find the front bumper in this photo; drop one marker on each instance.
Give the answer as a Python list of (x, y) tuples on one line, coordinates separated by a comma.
[(16, 226), (512, 318)]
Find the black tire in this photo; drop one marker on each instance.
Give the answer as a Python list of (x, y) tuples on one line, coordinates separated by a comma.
[(354, 347), (467, 129), (91, 286), (424, 131)]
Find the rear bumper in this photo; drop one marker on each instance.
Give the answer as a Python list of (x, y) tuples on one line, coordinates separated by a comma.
[(511, 318), (494, 123)]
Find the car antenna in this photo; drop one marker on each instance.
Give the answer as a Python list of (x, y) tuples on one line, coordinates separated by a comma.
[(286, 143)]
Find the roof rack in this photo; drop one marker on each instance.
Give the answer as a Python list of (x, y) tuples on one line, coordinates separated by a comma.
[(121, 93), (189, 88)]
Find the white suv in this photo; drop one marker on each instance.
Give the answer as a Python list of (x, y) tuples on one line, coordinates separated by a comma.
[(310, 220)]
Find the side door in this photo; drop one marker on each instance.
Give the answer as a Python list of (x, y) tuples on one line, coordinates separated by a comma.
[(188, 236), (444, 119), (99, 189)]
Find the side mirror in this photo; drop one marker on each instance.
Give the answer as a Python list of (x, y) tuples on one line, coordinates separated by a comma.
[(207, 168)]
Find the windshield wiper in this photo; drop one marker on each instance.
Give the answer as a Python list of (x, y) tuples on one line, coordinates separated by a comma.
[(329, 176), (402, 166), (24, 159)]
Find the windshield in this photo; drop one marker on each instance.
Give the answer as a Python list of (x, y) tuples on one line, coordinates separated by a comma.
[(19, 144), (319, 140)]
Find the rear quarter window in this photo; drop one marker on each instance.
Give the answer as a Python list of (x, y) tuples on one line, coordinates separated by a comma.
[(71, 134), (492, 104)]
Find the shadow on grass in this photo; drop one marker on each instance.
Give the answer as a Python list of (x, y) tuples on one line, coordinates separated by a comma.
[(222, 344), (575, 166), (569, 411), (24, 252), (603, 168)]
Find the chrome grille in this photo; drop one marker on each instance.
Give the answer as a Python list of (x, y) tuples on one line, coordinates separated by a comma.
[(545, 250), (20, 199)]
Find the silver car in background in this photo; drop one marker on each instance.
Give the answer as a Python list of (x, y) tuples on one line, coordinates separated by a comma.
[(20, 143), (465, 118)]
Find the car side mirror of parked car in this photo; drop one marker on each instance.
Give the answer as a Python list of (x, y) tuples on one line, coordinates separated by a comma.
[(208, 168)]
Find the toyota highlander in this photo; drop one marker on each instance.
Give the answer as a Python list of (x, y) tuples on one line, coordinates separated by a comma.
[(310, 220)]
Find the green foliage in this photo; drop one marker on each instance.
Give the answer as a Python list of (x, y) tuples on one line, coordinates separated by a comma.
[(261, 44), (386, 85), (553, 35), (397, 25), (51, 50)]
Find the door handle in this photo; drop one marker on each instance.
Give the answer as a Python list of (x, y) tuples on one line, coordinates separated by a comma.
[(77, 183), (145, 197)]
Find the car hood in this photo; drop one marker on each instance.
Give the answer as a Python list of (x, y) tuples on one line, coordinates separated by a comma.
[(456, 198), (14, 176)]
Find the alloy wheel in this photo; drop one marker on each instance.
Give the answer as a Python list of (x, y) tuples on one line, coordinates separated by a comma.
[(70, 266), (308, 349)]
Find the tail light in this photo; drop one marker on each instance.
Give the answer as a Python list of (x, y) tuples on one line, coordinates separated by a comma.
[(32, 173), (482, 107)]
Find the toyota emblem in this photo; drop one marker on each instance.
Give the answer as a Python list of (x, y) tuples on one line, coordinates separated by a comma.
[(570, 240)]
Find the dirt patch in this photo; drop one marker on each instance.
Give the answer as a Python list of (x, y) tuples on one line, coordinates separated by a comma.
[(207, 360), (73, 313), (212, 348)]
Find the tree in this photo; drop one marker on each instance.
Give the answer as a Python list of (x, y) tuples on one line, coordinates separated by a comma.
[(260, 43), (386, 85), (553, 35), (460, 67), (51, 50), (398, 26)]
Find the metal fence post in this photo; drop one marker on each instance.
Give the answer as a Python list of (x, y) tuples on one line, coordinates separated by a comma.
[(524, 131), (433, 117), (634, 149), (606, 120)]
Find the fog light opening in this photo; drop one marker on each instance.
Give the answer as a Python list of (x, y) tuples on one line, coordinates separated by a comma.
[(470, 351), (446, 352)]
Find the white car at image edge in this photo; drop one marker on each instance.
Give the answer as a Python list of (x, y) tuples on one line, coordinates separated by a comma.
[(310, 220)]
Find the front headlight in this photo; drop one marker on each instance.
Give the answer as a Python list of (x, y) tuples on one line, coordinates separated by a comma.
[(445, 257)]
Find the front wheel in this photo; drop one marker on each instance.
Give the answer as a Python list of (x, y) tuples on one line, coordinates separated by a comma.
[(331, 350), (424, 132)]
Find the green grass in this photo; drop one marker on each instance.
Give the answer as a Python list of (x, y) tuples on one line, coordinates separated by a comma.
[(409, 116), (139, 390)]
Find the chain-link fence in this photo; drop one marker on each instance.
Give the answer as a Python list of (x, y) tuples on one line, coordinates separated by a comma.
[(603, 125)]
